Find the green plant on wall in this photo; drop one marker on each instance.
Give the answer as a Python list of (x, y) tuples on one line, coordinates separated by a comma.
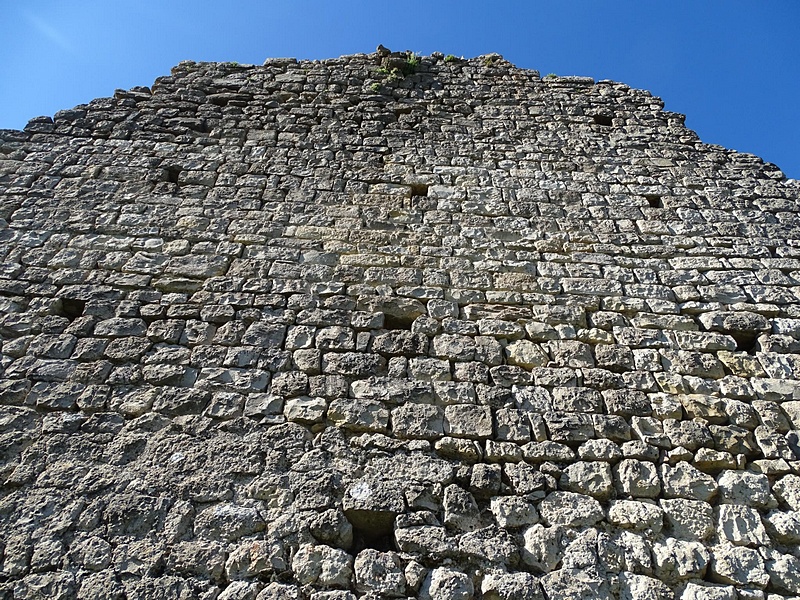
[(400, 70), (412, 63)]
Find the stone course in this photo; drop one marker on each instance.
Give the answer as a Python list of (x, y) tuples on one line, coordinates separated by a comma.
[(387, 326)]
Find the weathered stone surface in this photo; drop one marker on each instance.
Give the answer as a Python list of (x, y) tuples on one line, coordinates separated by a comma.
[(446, 584), (684, 481), (323, 565), (688, 519), (739, 566), (636, 515), (741, 525), (366, 332), (506, 586), (590, 478), (636, 478), (570, 509), (380, 573)]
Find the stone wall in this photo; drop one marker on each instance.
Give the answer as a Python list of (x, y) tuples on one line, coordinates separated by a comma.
[(393, 326)]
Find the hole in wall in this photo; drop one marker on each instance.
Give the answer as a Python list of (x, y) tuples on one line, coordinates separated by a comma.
[(603, 120), (172, 174), (382, 543), (745, 342), (419, 189), (654, 201), (72, 309), (398, 321)]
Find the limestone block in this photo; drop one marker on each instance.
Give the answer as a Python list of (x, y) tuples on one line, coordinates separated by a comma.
[(705, 407), (512, 425), (299, 337), (771, 415), (514, 511), (353, 364), (501, 329), (741, 525), (359, 415), (454, 347), (488, 351), (497, 585), (787, 490), (256, 405), (526, 354), (611, 427), (380, 573), (460, 449), (490, 545), (241, 590), (538, 452), (636, 478), (423, 421), (425, 539), (600, 449), (627, 403), (532, 398), (468, 420), (570, 509), (228, 522), (500, 452), (589, 478), (784, 572), (524, 479), (305, 409), (485, 480), (253, 558), (460, 509), (636, 515), (264, 335), (676, 560), (576, 399), (773, 445), (691, 435), (634, 586), (784, 527), (571, 353), (688, 519), (429, 369), (682, 480), (444, 583), (59, 585), (614, 357), (744, 487), (290, 384), (576, 583), (694, 591), (569, 427), (739, 566), (323, 565), (120, 327), (544, 547), (454, 392), (734, 439), (335, 338), (735, 322), (91, 552), (685, 362)]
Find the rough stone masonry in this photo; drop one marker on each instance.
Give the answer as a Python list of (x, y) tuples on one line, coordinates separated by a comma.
[(388, 326)]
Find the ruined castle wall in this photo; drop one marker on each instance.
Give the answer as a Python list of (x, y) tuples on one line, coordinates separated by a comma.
[(364, 328)]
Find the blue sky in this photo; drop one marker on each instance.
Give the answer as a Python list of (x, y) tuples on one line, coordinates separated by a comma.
[(732, 66)]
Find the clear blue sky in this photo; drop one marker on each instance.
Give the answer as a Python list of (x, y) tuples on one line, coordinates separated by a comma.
[(732, 66)]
